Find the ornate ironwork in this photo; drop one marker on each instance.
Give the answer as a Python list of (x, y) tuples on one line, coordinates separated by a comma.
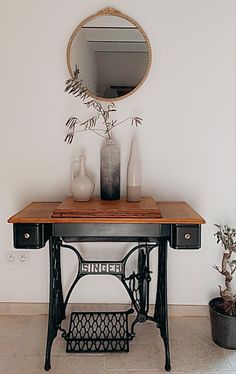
[(98, 332), (136, 285)]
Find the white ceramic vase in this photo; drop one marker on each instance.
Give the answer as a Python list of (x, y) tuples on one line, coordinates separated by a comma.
[(82, 186), (133, 174)]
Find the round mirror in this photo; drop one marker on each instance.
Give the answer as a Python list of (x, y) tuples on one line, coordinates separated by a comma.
[(112, 53)]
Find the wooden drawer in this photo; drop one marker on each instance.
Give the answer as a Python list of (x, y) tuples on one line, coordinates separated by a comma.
[(31, 236), (185, 236)]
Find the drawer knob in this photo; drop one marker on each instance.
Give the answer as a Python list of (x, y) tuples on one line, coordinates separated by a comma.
[(187, 236), (26, 235)]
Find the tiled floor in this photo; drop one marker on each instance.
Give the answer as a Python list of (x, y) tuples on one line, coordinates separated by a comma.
[(22, 343)]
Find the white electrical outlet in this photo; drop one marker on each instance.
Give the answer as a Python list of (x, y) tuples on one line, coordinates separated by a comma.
[(10, 257), (16, 257)]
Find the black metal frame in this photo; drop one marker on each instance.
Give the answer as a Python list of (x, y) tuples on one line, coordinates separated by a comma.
[(136, 284), (98, 332)]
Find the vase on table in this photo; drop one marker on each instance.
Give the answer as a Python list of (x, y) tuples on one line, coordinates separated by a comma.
[(133, 174), (82, 186), (110, 170)]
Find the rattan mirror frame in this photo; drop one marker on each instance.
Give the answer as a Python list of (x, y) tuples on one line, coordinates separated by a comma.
[(110, 12)]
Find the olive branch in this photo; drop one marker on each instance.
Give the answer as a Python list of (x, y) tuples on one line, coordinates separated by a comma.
[(77, 88)]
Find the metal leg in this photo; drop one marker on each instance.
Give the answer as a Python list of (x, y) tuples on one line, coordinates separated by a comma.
[(56, 304), (161, 308)]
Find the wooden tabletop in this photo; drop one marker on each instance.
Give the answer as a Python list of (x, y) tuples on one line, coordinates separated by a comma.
[(171, 212)]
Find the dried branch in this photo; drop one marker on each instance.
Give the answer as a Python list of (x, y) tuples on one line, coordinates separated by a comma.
[(134, 120), (77, 88)]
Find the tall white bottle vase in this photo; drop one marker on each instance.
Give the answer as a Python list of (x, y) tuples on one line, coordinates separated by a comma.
[(82, 186), (134, 174)]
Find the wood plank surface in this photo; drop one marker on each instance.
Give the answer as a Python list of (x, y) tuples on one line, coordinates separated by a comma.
[(97, 208), (172, 212), (34, 213)]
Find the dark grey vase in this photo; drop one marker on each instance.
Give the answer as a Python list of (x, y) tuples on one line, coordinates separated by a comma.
[(110, 170), (223, 328)]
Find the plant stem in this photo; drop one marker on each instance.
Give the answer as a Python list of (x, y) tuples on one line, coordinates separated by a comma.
[(95, 131), (119, 123)]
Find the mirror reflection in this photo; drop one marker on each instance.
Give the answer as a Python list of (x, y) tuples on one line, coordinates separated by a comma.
[(112, 55)]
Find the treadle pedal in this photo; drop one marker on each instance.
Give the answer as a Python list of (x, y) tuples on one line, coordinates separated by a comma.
[(98, 332)]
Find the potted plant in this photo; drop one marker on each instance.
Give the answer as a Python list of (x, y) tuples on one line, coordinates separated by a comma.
[(223, 308)]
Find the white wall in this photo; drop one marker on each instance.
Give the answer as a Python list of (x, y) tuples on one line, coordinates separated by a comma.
[(187, 141)]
